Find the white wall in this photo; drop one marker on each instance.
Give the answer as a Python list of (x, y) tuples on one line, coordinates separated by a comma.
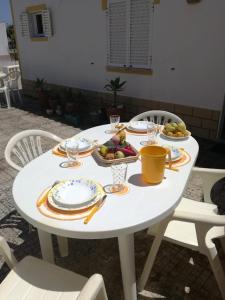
[(189, 38), (3, 40), (4, 51)]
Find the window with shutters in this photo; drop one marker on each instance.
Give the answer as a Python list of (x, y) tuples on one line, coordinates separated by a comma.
[(36, 23), (129, 34)]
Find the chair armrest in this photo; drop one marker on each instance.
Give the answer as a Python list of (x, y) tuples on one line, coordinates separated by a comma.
[(200, 171), (186, 216), (93, 289), (209, 177), (6, 252)]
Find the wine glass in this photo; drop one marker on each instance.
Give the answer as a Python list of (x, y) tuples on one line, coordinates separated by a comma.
[(114, 121), (151, 134)]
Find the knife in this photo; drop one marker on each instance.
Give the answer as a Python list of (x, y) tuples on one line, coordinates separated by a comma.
[(95, 209)]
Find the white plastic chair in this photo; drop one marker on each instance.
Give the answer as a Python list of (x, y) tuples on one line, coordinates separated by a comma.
[(35, 279), (26, 145), (193, 225), (5, 90), (157, 116), (13, 82)]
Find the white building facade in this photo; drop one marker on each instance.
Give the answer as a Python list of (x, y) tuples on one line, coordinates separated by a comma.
[(187, 52)]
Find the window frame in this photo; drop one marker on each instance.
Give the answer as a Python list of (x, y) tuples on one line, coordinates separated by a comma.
[(127, 67), (28, 23)]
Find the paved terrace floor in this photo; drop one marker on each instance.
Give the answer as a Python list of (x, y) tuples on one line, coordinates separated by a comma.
[(178, 273)]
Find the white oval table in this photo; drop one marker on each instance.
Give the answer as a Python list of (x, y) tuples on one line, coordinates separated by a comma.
[(120, 216)]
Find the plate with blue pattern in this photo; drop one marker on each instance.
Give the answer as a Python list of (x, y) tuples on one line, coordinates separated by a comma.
[(140, 126), (83, 144), (175, 152), (74, 194)]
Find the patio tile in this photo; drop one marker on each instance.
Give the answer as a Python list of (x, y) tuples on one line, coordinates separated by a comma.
[(173, 275)]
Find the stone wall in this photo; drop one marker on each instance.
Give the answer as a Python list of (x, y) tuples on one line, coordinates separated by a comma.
[(200, 121)]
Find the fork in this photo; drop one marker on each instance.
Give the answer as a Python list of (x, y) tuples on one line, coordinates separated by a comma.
[(44, 195)]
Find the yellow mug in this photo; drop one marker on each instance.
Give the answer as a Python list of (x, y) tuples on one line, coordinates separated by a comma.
[(153, 159)]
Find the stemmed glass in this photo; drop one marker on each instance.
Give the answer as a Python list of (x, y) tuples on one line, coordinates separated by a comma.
[(114, 121), (72, 151), (152, 129)]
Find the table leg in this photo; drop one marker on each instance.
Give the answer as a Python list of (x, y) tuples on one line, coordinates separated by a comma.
[(45, 240), (127, 262), (63, 246)]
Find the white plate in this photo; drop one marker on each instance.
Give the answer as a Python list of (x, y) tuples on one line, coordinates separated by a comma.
[(74, 194), (176, 137), (140, 126), (95, 200), (84, 144), (175, 152)]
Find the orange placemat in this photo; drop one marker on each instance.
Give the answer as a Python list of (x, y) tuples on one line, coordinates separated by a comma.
[(58, 152), (185, 158), (47, 210)]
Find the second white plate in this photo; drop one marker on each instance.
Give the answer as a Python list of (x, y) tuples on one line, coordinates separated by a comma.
[(84, 144), (140, 126)]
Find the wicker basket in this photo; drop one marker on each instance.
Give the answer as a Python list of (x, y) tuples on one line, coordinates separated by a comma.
[(127, 159)]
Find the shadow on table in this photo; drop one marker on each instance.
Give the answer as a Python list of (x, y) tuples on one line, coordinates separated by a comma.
[(137, 180)]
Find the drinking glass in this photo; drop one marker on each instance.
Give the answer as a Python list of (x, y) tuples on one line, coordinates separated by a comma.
[(72, 151), (119, 174), (114, 120), (151, 134)]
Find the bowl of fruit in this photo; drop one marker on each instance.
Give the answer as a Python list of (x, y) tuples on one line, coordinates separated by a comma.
[(177, 131), (117, 149)]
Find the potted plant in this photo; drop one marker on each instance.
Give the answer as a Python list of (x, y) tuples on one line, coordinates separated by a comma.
[(42, 94), (71, 107), (115, 86), (53, 99)]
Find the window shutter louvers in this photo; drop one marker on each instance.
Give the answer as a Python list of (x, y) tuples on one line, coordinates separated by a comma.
[(129, 33), (140, 33), (47, 23), (24, 25), (117, 33)]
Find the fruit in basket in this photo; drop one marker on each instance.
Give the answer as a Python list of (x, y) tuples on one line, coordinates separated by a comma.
[(122, 136), (117, 147), (127, 151), (175, 129), (116, 140), (110, 156), (119, 154), (104, 150)]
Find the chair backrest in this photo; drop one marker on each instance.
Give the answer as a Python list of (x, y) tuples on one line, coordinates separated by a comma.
[(13, 79), (26, 145), (157, 116)]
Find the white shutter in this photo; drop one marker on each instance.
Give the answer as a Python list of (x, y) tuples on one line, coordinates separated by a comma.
[(140, 20), (24, 25), (46, 19), (117, 33)]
